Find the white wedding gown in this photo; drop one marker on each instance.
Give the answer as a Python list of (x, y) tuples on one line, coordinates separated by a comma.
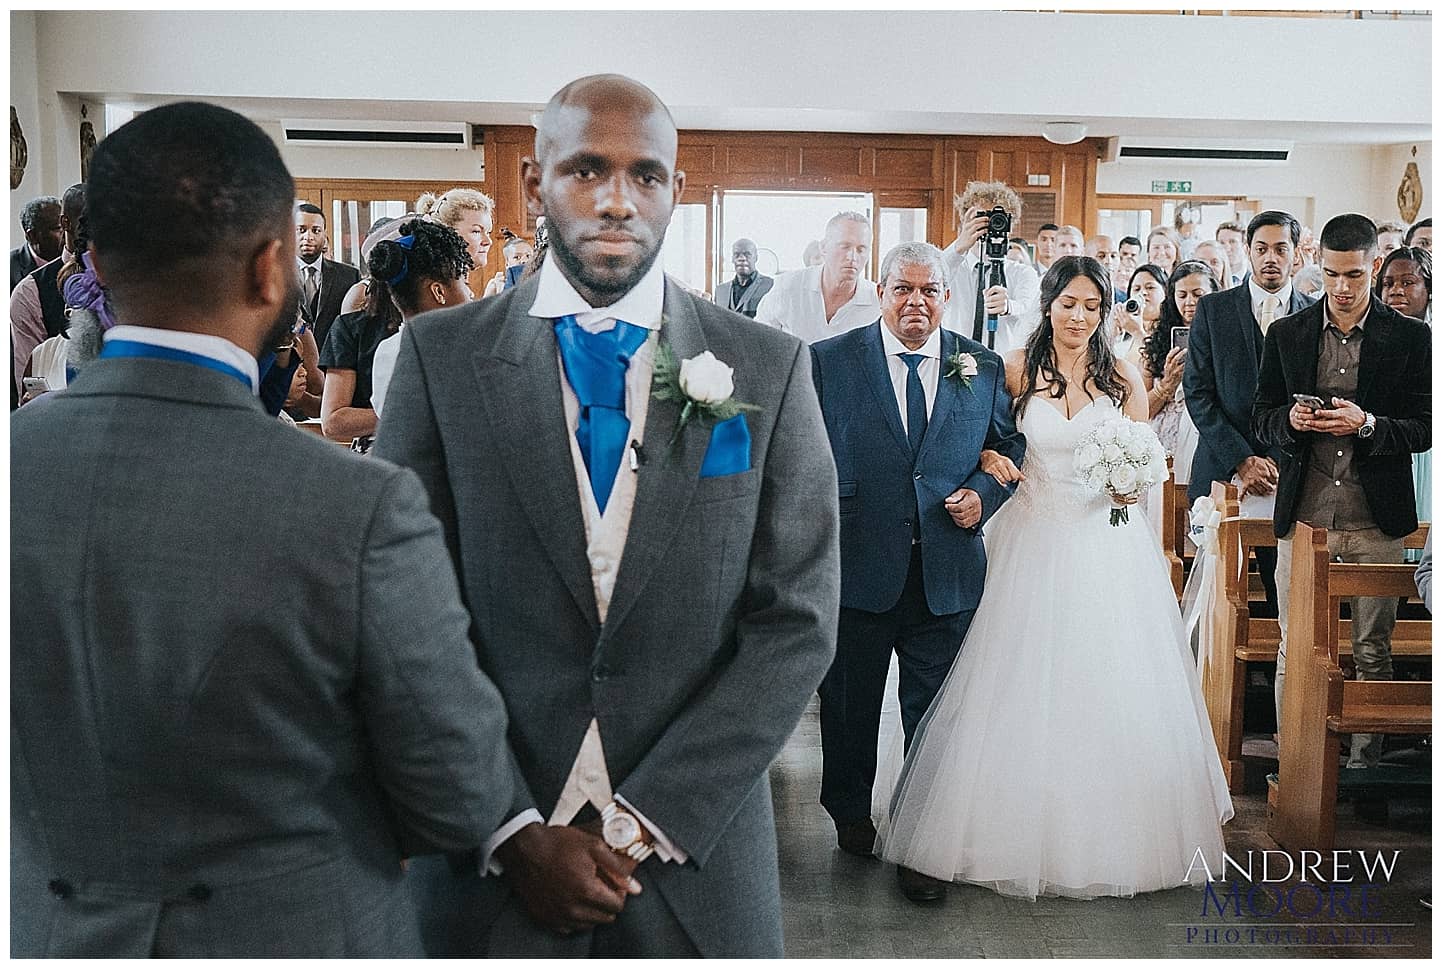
[(1069, 751)]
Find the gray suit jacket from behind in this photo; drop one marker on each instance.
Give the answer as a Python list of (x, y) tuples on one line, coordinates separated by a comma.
[(723, 618), (229, 715)]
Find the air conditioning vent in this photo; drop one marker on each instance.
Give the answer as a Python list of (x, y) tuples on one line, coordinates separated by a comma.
[(383, 134), (1196, 151), (1213, 154)]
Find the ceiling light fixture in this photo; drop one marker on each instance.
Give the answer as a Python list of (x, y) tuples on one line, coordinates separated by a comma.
[(1063, 132)]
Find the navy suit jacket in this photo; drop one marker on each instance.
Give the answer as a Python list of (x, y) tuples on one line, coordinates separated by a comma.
[(880, 486), (1224, 352)]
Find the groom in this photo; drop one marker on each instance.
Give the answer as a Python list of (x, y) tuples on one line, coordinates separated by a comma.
[(909, 407), (654, 597)]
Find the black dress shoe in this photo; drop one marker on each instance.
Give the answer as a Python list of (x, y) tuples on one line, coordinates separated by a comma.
[(918, 887), (857, 837)]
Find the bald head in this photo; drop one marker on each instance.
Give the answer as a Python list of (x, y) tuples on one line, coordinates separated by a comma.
[(574, 104), (604, 176)]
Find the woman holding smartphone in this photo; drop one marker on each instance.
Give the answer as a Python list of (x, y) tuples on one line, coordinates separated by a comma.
[(1164, 357)]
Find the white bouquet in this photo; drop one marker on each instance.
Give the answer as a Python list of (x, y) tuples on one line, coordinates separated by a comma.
[(1120, 457)]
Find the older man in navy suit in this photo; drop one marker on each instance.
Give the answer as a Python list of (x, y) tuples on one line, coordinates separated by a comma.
[(909, 407)]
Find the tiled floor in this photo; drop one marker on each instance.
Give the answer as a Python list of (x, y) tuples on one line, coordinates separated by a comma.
[(836, 905)]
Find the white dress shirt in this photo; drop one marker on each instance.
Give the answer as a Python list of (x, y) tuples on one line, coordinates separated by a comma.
[(929, 369), (201, 344), (605, 534), (797, 306), (1023, 296), (1258, 294)]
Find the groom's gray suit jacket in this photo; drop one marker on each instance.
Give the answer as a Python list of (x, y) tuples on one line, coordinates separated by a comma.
[(229, 715), (723, 618)]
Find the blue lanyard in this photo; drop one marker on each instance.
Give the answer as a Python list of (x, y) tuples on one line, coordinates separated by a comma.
[(132, 348)]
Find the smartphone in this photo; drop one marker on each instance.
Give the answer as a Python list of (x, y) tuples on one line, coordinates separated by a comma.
[(1179, 337), (1310, 400), (36, 385)]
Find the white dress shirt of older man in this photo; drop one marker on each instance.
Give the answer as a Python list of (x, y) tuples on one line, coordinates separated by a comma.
[(799, 302)]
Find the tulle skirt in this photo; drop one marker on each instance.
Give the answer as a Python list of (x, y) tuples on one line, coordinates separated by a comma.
[(1069, 751)]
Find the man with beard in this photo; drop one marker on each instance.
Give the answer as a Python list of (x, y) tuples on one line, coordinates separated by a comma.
[(648, 546), (220, 747), (743, 294), (323, 282), (1224, 352)]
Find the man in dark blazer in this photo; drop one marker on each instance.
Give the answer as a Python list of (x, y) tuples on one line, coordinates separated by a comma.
[(743, 293), (1347, 465), (44, 238), (323, 282), (653, 583), (1219, 381), (218, 745), (909, 408)]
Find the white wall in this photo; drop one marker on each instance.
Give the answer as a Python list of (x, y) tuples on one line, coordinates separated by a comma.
[(24, 98)]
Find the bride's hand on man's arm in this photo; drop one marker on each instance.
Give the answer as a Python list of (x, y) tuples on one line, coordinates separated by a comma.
[(1000, 467)]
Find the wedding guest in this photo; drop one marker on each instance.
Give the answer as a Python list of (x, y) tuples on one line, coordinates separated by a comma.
[(1070, 241), (424, 267), (44, 238), (323, 282), (1308, 281), (811, 255), (1420, 235), (382, 228), (744, 292), (813, 304), (469, 212), (1164, 248), (1045, 247), (1234, 240), (1101, 249), (1214, 254), (1347, 465), (1165, 360), (1014, 303), (219, 747), (1147, 292), (1390, 237), (1306, 252), (912, 455), (517, 252), (1405, 285), (37, 307), (1129, 257)]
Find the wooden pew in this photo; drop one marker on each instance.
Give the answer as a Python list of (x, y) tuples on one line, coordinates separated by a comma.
[(1174, 529), (1243, 638), (1318, 704)]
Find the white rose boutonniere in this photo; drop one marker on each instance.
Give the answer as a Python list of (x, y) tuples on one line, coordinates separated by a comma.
[(702, 385), (706, 380), (961, 367)]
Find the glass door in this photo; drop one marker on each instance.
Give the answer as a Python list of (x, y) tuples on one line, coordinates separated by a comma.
[(783, 224)]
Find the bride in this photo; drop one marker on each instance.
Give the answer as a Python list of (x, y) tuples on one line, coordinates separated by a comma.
[(1068, 752)]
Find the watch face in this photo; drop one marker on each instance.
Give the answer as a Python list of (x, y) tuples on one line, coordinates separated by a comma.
[(620, 831)]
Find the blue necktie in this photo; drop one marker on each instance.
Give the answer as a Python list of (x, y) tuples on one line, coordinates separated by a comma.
[(595, 365), (915, 402)]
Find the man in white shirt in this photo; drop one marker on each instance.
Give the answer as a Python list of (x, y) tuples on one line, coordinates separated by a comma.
[(1015, 304), (832, 298)]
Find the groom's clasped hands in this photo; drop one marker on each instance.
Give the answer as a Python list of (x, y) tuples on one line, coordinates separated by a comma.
[(567, 877)]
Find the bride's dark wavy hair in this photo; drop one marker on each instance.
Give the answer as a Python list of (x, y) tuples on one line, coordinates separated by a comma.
[(1041, 353)]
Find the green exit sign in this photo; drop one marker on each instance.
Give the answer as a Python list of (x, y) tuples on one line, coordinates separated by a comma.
[(1173, 188)]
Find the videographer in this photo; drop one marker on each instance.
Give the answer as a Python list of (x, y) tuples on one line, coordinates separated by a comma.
[(1015, 304)]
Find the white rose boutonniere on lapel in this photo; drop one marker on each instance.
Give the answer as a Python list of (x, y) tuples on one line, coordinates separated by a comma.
[(961, 367), (703, 385)]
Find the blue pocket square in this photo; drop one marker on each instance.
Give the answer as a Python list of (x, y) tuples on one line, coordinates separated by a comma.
[(730, 449)]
